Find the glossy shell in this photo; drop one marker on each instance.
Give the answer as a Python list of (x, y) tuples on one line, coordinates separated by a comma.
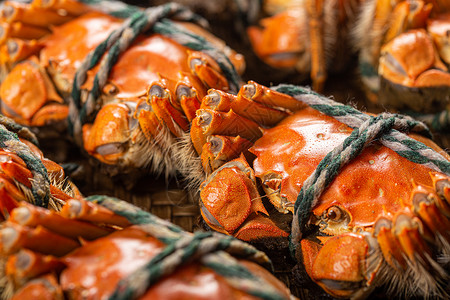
[(377, 182)]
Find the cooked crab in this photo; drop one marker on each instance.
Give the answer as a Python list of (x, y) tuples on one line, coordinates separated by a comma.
[(404, 59), (151, 93), (308, 35), (26, 175), (87, 251), (384, 220)]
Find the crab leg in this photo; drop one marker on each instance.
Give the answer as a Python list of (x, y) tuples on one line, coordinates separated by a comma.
[(389, 245), (209, 122), (14, 237), (314, 10), (148, 121), (442, 187), (23, 175), (221, 149), (404, 18), (406, 229), (33, 216), (425, 206), (188, 101), (73, 7), (408, 240), (9, 188), (21, 31), (17, 49), (207, 70), (19, 173), (159, 99), (88, 211), (47, 287), (243, 106), (264, 95), (32, 15), (9, 196), (27, 264)]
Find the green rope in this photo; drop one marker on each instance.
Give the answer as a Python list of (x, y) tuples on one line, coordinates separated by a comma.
[(114, 8), (140, 21), (22, 131), (385, 127), (212, 249), (40, 184)]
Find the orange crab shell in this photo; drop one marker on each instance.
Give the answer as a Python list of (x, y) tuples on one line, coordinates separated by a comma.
[(409, 58), (147, 60), (278, 42), (377, 182), (94, 268)]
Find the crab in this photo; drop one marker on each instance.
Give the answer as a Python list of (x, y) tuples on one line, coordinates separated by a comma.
[(383, 220), (404, 60), (151, 93), (402, 46), (18, 180), (309, 36), (87, 250)]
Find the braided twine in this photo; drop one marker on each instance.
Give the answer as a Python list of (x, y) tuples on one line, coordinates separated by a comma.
[(139, 21), (387, 128), (212, 249), (9, 140)]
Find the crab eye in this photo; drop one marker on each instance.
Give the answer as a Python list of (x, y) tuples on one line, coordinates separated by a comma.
[(335, 214)]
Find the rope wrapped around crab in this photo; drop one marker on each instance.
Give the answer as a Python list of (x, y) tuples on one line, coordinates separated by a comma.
[(370, 205), (55, 244), (26, 175), (132, 85), (102, 248)]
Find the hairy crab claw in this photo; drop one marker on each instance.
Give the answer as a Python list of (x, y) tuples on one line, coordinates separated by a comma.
[(383, 221), (152, 92)]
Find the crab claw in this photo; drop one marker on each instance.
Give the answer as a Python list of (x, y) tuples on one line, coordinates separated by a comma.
[(258, 226), (45, 287), (27, 90), (409, 56), (107, 137), (277, 42), (207, 70), (339, 265), (230, 199)]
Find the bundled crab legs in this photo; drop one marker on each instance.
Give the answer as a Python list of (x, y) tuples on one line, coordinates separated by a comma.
[(25, 174), (133, 85), (100, 246), (358, 192), (106, 248)]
